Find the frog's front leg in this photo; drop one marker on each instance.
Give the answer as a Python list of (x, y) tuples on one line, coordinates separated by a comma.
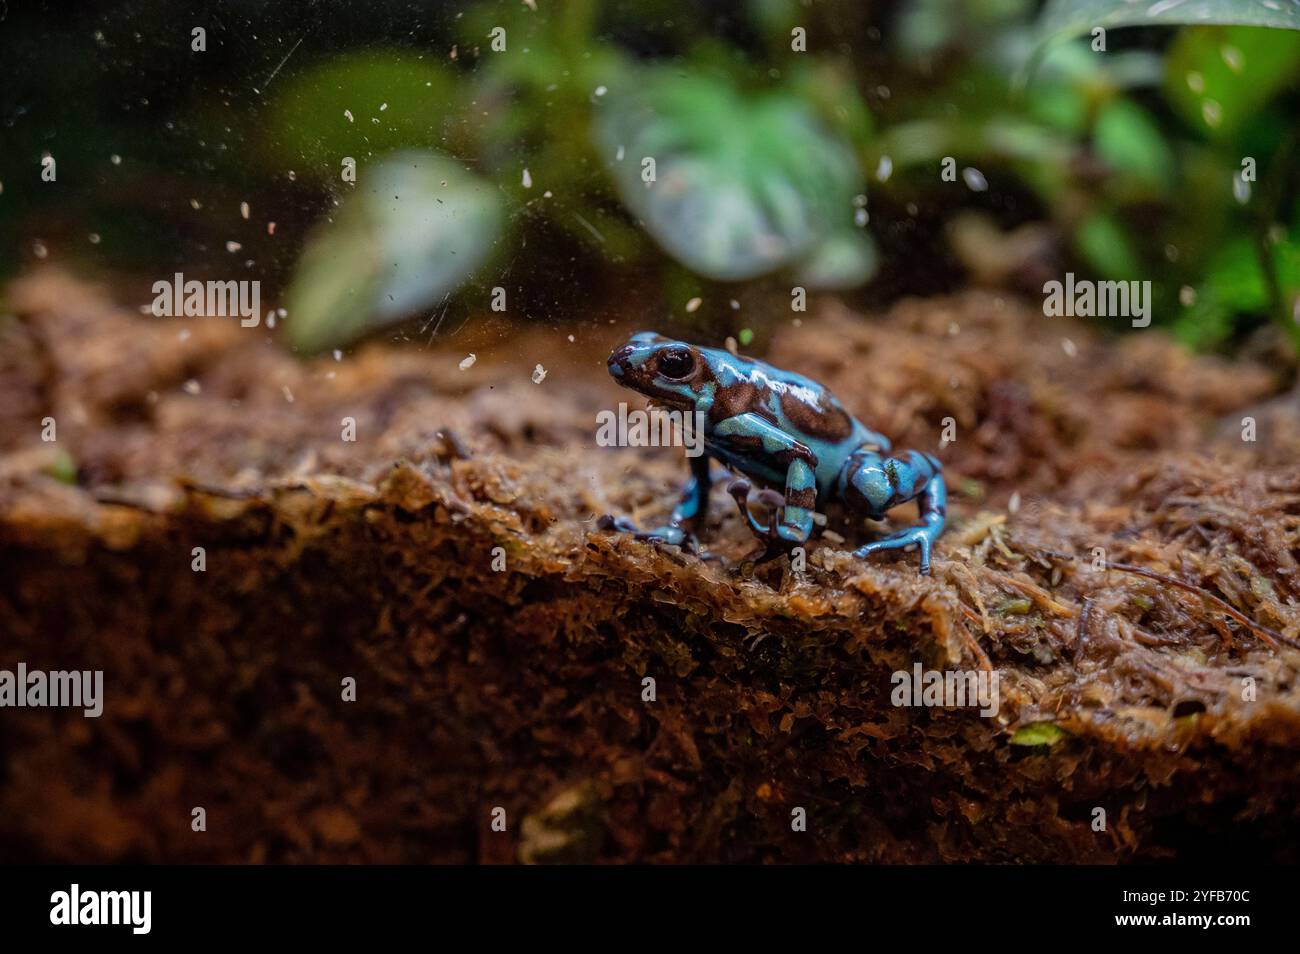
[(884, 483), (792, 512), (687, 516)]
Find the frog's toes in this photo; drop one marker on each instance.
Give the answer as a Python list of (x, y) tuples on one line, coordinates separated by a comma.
[(668, 534), (898, 541), (673, 536), (621, 524)]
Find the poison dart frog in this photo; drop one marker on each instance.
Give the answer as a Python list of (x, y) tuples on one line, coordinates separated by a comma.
[(781, 430)]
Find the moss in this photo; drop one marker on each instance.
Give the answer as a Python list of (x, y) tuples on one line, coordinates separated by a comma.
[(522, 690)]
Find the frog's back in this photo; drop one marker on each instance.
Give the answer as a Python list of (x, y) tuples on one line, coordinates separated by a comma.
[(795, 404)]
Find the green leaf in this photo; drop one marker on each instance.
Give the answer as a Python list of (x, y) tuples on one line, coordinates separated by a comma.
[(844, 260), (1103, 243), (1129, 140), (743, 184), (1235, 277), (1038, 733), (1217, 78), (1062, 19), (396, 100), (63, 468), (415, 228)]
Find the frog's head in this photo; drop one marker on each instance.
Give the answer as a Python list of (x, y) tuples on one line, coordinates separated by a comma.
[(666, 371)]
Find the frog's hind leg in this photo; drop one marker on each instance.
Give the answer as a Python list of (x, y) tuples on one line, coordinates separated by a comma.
[(791, 514), (886, 483), (687, 516)]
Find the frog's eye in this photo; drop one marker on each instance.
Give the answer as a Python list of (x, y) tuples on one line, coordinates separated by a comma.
[(676, 363)]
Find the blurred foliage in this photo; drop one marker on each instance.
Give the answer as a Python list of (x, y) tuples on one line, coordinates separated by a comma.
[(504, 133), (732, 184), (417, 226)]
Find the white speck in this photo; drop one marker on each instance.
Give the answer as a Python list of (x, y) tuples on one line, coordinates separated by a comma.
[(39, 249), (1013, 505), (288, 395), (184, 334), (192, 387), (115, 159), (348, 114), (1232, 56), (528, 179), (270, 319), (243, 210), (620, 154), (730, 345), (954, 329), (270, 228), (884, 169), (338, 355), (195, 204), (974, 179), (1069, 347), (467, 362), (547, 194), (797, 322), (1212, 112), (382, 107), (233, 247), (1240, 189), (539, 374), (861, 217), (735, 305), (93, 238), (693, 305), (1196, 82), (601, 90), (571, 339), (1187, 296)]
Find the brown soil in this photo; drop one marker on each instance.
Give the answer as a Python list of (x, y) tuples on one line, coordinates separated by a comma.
[(1169, 699)]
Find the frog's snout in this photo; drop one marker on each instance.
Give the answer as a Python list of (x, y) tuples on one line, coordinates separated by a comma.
[(620, 360)]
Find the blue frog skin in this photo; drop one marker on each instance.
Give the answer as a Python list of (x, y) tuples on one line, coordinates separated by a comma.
[(782, 430)]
